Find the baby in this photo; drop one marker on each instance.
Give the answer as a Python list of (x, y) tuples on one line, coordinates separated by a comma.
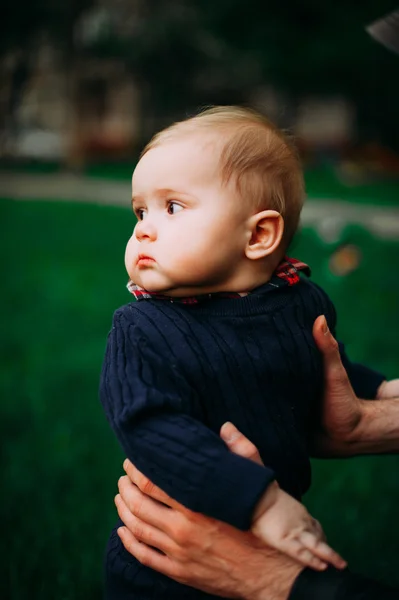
[(222, 331)]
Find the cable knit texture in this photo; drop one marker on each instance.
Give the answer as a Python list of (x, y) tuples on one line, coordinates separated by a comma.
[(174, 373)]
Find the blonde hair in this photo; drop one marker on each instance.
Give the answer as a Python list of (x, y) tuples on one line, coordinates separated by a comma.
[(260, 159)]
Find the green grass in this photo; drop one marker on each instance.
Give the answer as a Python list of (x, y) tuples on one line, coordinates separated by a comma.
[(63, 276), (323, 182)]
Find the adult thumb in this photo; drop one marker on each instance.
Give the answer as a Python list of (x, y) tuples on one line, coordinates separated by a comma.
[(238, 443), (335, 376), (325, 341)]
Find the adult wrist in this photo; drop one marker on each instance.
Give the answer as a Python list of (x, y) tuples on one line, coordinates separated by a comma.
[(276, 585), (268, 575), (366, 415)]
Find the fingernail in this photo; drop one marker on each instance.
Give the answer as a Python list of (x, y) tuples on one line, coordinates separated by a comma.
[(325, 326), (125, 463), (119, 531), (229, 432), (224, 430)]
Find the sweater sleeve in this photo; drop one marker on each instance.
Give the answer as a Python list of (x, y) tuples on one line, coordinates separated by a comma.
[(365, 381), (147, 402)]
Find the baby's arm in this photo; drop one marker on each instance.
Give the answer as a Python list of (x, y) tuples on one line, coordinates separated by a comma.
[(148, 403), (279, 520)]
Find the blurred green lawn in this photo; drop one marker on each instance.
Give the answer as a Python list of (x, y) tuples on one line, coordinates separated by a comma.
[(321, 181), (63, 278)]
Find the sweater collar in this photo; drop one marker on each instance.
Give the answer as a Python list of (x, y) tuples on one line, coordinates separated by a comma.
[(286, 274)]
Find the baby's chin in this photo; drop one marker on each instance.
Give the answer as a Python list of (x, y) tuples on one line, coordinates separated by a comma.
[(166, 286), (153, 287)]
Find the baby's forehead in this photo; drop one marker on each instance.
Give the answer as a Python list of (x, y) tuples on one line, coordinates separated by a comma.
[(202, 140), (204, 146), (185, 155), (190, 143)]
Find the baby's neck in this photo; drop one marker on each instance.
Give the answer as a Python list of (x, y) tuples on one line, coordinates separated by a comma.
[(243, 284)]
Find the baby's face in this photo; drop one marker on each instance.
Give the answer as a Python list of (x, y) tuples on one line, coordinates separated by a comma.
[(191, 230)]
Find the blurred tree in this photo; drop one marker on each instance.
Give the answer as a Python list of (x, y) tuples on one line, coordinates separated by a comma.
[(187, 54), (23, 20), (190, 54)]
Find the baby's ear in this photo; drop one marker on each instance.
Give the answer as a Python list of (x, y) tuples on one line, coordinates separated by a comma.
[(266, 230)]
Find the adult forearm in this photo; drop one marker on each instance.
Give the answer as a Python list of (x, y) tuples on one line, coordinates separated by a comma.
[(376, 432), (194, 466), (378, 428)]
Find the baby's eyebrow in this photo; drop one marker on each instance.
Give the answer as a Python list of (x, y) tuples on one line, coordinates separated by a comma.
[(160, 194), (136, 198), (166, 191)]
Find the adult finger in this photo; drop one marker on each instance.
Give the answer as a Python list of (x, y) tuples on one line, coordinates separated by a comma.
[(141, 530), (149, 557), (145, 508), (146, 486), (325, 341), (238, 443), (329, 348)]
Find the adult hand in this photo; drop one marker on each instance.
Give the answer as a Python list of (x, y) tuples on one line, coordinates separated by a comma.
[(350, 425), (197, 550), (342, 409)]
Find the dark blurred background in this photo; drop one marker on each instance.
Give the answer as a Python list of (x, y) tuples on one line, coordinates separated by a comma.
[(84, 84), (90, 78)]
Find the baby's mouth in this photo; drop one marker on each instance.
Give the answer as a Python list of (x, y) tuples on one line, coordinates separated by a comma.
[(145, 261)]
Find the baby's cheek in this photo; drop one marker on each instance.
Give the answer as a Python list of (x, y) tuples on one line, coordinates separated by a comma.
[(191, 256), (184, 265), (129, 255), (195, 268)]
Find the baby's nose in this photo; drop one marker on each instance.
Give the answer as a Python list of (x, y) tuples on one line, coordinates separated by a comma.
[(145, 230)]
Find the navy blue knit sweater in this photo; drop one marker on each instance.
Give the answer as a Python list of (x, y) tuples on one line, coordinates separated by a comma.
[(174, 373)]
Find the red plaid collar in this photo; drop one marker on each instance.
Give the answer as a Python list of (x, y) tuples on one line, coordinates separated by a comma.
[(287, 273), (288, 270)]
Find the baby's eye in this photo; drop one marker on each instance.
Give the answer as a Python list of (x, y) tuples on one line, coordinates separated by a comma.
[(140, 213), (174, 207)]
